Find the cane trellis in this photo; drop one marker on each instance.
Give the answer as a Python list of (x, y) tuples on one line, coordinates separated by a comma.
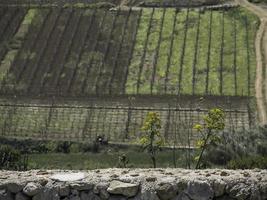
[(116, 124)]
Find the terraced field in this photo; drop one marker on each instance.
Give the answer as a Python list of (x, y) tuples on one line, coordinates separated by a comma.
[(101, 3), (63, 51), (117, 124), (105, 69)]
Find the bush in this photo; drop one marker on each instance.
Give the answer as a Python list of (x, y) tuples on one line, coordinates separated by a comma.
[(250, 162), (218, 156), (75, 148), (12, 159), (123, 161), (152, 140), (258, 1), (237, 145), (213, 122), (63, 147)]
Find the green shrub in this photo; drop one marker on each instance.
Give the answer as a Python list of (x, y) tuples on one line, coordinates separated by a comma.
[(250, 162), (75, 148), (63, 147), (258, 1), (12, 159), (262, 148), (218, 156), (152, 140), (214, 122), (50, 146), (123, 161)]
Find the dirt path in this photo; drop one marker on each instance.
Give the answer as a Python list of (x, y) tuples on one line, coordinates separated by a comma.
[(261, 58), (264, 43)]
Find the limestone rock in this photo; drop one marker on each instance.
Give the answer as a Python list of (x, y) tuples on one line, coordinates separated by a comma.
[(2, 185), (43, 181), (101, 190), (74, 197), (32, 189), (263, 190), (15, 187), (5, 195), (166, 191), (74, 192), (63, 177), (240, 191), (181, 185), (199, 190), (147, 195), (104, 194), (255, 194), (224, 173), (63, 189), (21, 196), (151, 179), (219, 188), (81, 186), (125, 189), (89, 195), (47, 193), (225, 197), (172, 184), (117, 197), (182, 196)]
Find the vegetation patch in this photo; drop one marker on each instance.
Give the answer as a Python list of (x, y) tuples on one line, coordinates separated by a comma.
[(258, 1), (216, 52), (250, 162), (160, 51)]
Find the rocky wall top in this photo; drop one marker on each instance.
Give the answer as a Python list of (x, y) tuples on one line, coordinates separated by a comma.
[(134, 184)]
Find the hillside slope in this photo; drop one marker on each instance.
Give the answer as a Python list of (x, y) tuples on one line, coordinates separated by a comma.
[(85, 52), (157, 3)]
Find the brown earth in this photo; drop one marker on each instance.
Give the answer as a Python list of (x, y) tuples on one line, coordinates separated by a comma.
[(261, 54)]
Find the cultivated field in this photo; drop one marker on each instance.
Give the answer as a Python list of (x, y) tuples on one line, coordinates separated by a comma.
[(101, 3), (117, 124), (85, 52), (86, 72)]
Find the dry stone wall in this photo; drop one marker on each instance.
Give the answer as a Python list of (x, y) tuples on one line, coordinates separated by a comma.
[(134, 184)]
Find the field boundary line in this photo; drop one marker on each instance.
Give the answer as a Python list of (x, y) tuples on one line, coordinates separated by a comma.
[(117, 107)]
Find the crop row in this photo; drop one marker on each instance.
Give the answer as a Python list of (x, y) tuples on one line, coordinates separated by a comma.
[(201, 57), (117, 124), (84, 52)]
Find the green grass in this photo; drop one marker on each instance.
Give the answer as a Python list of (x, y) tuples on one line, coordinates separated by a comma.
[(228, 81), (138, 50), (177, 48), (228, 72), (173, 65), (146, 76), (103, 160), (201, 64), (164, 51), (215, 50), (15, 44), (187, 74)]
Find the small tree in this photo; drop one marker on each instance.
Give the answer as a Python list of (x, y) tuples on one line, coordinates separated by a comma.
[(213, 122), (152, 140)]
